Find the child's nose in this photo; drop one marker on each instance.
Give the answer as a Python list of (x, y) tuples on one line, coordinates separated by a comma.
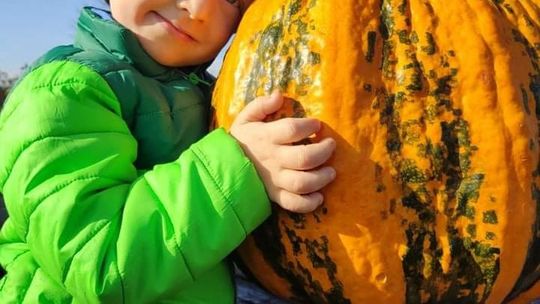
[(198, 9)]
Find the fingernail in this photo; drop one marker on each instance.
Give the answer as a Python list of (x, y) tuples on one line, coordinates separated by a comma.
[(333, 173), (333, 141)]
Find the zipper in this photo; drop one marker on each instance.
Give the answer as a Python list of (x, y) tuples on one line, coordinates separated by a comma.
[(195, 79)]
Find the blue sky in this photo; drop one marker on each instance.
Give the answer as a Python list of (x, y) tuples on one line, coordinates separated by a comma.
[(28, 28)]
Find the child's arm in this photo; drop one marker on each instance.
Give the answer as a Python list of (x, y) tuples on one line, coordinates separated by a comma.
[(79, 208), (292, 174)]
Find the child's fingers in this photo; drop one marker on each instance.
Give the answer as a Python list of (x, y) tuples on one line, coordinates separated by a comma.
[(290, 130), (260, 107), (306, 157), (299, 203), (304, 182)]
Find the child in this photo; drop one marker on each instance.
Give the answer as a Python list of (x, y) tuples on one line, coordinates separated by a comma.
[(114, 189)]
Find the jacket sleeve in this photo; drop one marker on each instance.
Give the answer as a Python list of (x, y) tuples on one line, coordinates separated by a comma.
[(91, 222)]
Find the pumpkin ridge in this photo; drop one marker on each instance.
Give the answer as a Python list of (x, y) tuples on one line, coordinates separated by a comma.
[(270, 42), (422, 270), (527, 35)]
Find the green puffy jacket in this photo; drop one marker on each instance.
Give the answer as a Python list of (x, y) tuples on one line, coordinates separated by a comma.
[(114, 191)]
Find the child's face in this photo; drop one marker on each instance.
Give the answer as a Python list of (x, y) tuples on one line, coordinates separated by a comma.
[(180, 32)]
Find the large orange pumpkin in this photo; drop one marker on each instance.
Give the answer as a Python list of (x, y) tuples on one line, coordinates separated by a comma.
[(434, 107)]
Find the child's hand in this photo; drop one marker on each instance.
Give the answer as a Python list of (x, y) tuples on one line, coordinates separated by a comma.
[(290, 173)]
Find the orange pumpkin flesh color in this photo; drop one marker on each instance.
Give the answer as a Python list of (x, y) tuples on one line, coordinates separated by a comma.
[(434, 107)]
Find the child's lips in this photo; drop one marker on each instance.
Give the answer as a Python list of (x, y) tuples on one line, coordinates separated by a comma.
[(175, 29)]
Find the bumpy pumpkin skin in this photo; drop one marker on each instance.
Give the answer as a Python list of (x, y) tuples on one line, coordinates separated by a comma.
[(433, 105)]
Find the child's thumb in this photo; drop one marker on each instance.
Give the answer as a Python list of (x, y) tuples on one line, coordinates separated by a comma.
[(260, 107)]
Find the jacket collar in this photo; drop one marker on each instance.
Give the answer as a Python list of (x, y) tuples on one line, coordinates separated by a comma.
[(96, 30)]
